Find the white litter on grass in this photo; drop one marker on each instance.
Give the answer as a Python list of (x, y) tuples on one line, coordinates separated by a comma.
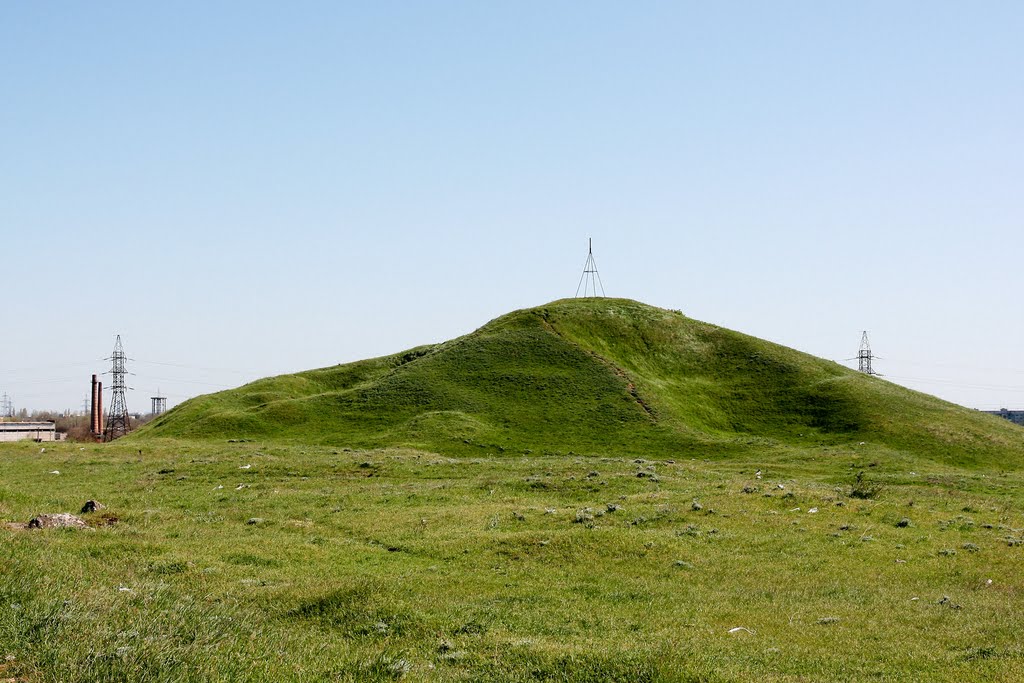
[(124, 589), (913, 599), (219, 486), (245, 467), (989, 582), (42, 450), (812, 510), (742, 628), (55, 472), (795, 510), (240, 487)]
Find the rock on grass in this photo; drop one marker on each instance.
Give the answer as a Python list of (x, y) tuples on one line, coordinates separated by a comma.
[(59, 520)]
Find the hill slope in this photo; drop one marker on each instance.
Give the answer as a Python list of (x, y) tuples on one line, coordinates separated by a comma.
[(596, 376)]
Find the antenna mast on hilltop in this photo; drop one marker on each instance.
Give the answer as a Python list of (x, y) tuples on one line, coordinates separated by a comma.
[(864, 355), (591, 279), (118, 422)]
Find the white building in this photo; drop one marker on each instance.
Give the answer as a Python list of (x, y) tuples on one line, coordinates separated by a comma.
[(36, 431)]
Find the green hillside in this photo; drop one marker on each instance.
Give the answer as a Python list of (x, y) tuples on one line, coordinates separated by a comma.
[(595, 376), (590, 491)]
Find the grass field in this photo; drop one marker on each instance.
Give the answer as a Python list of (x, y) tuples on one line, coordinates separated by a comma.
[(594, 491), (379, 565)]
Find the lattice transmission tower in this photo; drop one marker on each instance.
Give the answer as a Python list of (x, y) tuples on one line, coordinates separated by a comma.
[(118, 421), (864, 356), (591, 279), (6, 406)]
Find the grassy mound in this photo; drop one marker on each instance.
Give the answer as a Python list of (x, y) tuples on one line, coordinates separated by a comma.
[(595, 376), (315, 527)]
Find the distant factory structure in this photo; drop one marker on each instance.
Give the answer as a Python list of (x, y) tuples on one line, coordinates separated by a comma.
[(159, 404), (1015, 416), (34, 431)]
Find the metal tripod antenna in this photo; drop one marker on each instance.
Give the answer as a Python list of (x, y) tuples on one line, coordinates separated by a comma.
[(590, 280)]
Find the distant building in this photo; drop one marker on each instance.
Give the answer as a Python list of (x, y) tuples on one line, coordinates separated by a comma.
[(35, 431), (1015, 416)]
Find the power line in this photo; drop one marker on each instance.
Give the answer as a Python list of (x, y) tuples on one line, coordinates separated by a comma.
[(62, 380), (953, 366), (183, 366), (49, 367), (191, 367), (185, 381), (964, 385)]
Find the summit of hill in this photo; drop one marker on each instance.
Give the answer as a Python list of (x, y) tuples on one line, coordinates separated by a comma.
[(597, 376)]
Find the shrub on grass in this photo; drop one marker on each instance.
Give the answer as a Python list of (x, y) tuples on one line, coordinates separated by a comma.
[(863, 488)]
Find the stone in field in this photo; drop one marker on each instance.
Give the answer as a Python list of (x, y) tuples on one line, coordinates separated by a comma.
[(59, 520)]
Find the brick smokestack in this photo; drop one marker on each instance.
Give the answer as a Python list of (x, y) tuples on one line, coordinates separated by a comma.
[(99, 409), (92, 408)]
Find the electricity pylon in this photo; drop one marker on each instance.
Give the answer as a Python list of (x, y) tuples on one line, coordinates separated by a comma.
[(118, 421)]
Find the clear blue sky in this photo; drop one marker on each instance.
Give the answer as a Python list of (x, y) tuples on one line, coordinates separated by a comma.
[(242, 189)]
